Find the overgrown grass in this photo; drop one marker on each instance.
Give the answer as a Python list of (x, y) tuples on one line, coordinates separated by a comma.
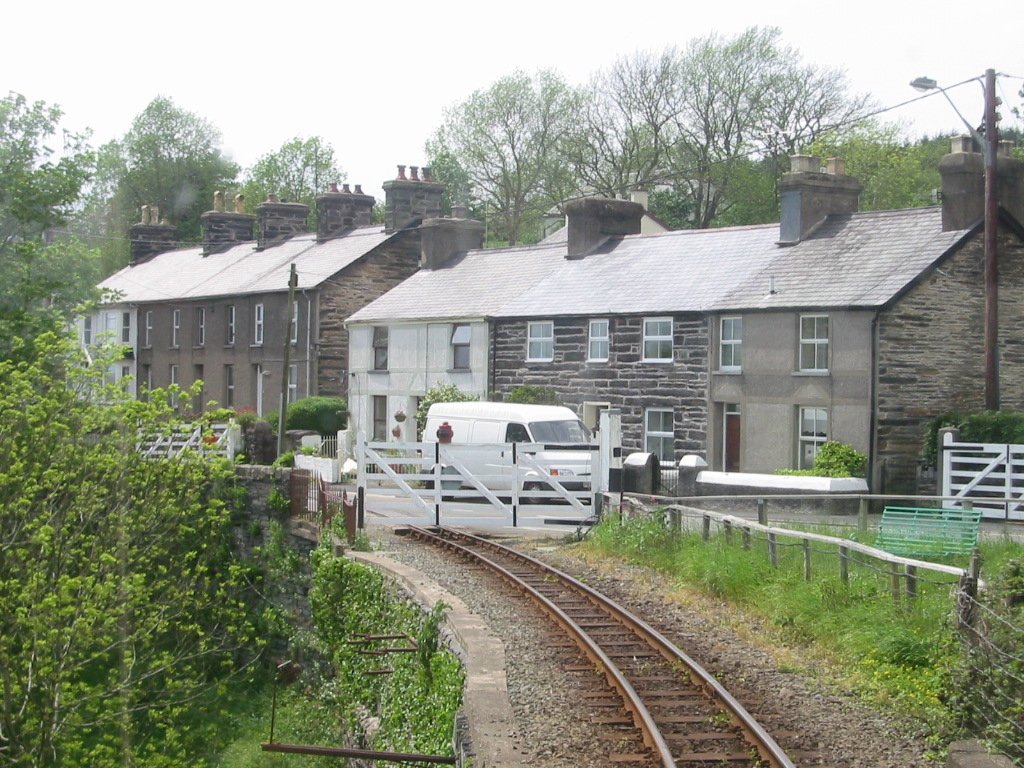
[(900, 654)]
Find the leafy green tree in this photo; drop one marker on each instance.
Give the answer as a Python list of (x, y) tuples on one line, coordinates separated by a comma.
[(43, 280), (508, 140), (122, 607), (169, 158), (895, 173), (297, 172)]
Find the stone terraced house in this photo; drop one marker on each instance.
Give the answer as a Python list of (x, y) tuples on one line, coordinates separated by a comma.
[(749, 346), (217, 312)]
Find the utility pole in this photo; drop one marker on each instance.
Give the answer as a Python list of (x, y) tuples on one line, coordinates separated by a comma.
[(293, 281), (991, 256)]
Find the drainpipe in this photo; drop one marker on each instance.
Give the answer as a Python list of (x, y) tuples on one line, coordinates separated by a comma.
[(309, 325), (873, 405), (491, 356)]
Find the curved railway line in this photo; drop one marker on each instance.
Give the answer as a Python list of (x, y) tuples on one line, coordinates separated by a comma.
[(665, 709)]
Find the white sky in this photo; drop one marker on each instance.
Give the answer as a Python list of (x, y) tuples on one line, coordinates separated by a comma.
[(374, 78)]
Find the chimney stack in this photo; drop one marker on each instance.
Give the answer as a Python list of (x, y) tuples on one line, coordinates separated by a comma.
[(594, 220), (278, 221), (963, 184), (408, 200), (808, 195), (224, 228), (338, 211), (443, 239), (150, 236)]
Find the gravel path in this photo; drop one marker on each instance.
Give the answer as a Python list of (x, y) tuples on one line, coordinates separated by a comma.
[(817, 725)]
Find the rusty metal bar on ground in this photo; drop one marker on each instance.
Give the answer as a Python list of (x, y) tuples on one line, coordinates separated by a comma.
[(364, 754)]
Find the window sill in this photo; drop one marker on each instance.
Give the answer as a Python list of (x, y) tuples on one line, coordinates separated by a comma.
[(728, 372), (460, 370), (658, 361), (255, 346), (597, 360), (549, 360), (378, 370), (813, 374)]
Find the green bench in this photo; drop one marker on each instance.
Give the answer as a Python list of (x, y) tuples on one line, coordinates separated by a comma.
[(928, 531)]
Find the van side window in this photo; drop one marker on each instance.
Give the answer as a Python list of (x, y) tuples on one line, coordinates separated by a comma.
[(516, 433)]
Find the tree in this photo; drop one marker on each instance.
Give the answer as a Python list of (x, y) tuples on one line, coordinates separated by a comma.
[(43, 281), (121, 604), (895, 173), (508, 140), (169, 158), (297, 172), (625, 126)]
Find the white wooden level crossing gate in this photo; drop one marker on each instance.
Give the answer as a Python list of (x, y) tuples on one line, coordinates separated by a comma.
[(989, 475)]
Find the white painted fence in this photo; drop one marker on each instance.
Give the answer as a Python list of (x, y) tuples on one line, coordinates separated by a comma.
[(989, 475)]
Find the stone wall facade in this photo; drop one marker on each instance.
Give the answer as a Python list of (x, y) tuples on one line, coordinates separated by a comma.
[(350, 290), (624, 380), (931, 359)]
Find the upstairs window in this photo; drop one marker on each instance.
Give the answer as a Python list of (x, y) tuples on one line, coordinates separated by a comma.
[(295, 323), (814, 343), (461, 337), (597, 346), (175, 326), (731, 344), (200, 326), (657, 340), (229, 330), (380, 348), (540, 342), (126, 327), (257, 328), (149, 328), (87, 330)]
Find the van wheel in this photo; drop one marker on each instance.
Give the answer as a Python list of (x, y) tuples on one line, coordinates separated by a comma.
[(531, 499)]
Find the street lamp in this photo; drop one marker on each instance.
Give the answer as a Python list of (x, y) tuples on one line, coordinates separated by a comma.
[(989, 143)]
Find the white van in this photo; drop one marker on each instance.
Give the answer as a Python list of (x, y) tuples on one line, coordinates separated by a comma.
[(488, 425)]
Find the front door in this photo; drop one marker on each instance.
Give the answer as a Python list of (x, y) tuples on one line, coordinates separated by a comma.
[(731, 442)]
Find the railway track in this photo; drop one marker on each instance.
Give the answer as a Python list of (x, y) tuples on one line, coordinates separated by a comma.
[(662, 707)]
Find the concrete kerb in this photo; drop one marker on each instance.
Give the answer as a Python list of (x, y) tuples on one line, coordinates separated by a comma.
[(491, 723)]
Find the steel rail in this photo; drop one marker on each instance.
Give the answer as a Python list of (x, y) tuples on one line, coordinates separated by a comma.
[(754, 733)]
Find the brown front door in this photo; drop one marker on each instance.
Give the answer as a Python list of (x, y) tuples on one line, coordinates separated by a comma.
[(732, 440)]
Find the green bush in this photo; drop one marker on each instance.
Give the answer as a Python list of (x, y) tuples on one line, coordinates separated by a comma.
[(833, 459), (439, 393), (325, 415), (530, 394), (978, 427)]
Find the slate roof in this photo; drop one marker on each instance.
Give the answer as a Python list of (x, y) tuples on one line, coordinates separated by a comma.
[(854, 260), (242, 269)]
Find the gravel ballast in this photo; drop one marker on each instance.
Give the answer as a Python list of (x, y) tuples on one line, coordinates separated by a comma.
[(816, 723)]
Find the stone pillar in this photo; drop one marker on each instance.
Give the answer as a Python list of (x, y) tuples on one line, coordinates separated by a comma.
[(807, 195), (338, 211), (690, 466), (593, 220), (409, 198), (278, 221), (443, 239)]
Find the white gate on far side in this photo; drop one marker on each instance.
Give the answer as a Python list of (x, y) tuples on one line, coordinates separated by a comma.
[(989, 475)]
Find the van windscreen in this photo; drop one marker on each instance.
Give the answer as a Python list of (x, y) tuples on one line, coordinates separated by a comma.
[(559, 431)]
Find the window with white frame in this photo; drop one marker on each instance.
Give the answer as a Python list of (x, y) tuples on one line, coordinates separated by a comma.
[(175, 326), (295, 323), (111, 325), (148, 338), (174, 381), (200, 326), (380, 347), (87, 330), (540, 342), (813, 432), (462, 334), (659, 433), (257, 327), (229, 330), (293, 383), (731, 344), (597, 346), (229, 385), (814, 342), (657, 340), (126, 327)]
